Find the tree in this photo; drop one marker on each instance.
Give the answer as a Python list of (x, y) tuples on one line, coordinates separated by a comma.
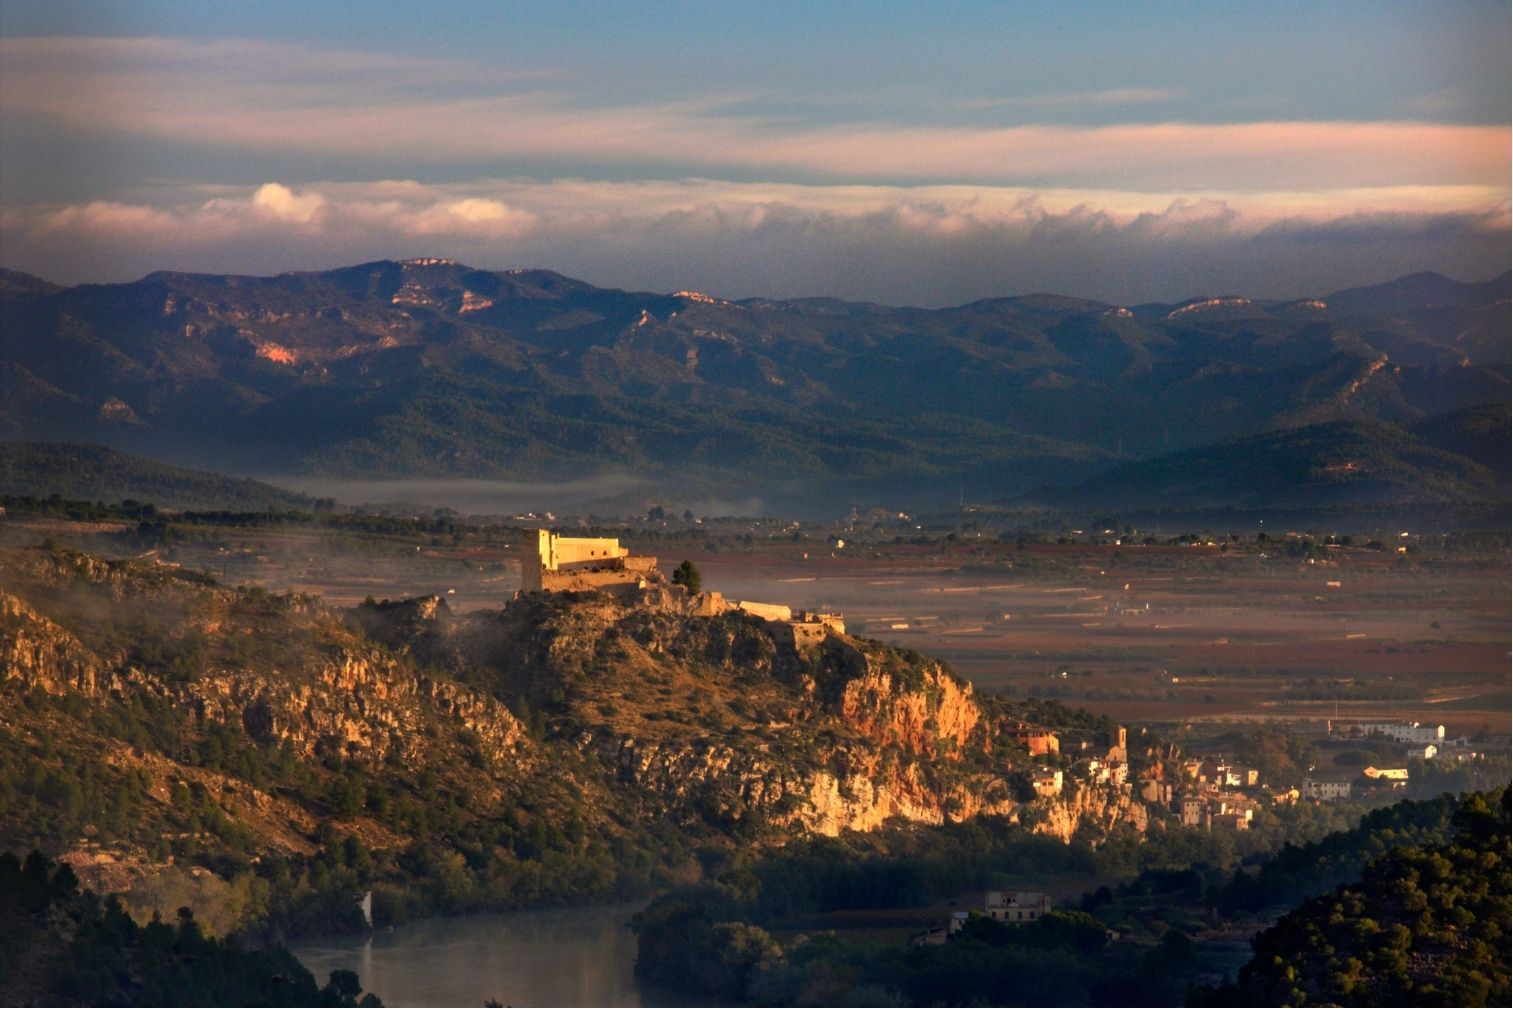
[(688, 576)]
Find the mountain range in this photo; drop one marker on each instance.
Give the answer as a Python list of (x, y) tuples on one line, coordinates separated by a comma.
[(428, 367)]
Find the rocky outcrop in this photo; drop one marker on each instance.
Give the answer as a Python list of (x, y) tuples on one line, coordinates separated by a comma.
[(362, 702), (39, 653), (938, 710), (330, 689), (865, 802), (727, 785), (1099, 808)]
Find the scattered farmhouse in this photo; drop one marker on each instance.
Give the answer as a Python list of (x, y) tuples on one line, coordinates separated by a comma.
[(1040, 742), (1014, 907), (1009, 907), (1388, 777)]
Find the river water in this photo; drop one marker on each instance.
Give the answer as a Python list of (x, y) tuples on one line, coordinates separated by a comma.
[(581, 956)]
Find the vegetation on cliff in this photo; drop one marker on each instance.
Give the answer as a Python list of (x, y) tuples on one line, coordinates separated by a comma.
[(59, 946)]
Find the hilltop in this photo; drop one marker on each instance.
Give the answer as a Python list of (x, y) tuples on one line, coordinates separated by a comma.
[(430, 367), (568, 746)]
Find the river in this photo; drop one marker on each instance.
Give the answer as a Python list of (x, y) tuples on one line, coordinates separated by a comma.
[(558, 957)]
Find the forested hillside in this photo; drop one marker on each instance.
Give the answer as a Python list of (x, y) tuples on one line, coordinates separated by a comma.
[(429, 367)]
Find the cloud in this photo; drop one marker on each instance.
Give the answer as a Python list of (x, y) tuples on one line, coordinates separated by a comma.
[(221, 96), (917, 244), (1107, 98), (105, 218), (283, 204)]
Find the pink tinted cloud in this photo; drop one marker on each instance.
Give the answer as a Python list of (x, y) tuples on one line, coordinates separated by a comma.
[(357, 105)]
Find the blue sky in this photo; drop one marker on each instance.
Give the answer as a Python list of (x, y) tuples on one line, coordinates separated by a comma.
[(929, 153)]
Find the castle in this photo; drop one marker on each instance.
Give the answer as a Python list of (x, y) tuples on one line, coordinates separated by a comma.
[(575, 564), (553, 563)]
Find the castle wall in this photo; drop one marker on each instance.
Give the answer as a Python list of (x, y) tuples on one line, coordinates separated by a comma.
[(566, 550), (708, 604), (555, 563), (585, 579), (834, 621), (767, 611)]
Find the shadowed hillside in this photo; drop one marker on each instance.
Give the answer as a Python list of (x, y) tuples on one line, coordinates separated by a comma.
[(1452, 458), (429, 367)]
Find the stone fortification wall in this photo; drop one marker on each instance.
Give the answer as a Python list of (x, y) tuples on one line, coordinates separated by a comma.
[(590, 579), (826, 621), (767, 611), (707, 604), (568, 551), (806, 635)]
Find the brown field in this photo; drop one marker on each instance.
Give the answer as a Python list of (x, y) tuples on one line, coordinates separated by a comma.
[(1139, 636), (1164, 634)]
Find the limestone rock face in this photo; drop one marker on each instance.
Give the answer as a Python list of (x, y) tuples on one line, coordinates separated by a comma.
[(1101, 807), (726, 719), (939, 712), (39, 653), (332, 687)]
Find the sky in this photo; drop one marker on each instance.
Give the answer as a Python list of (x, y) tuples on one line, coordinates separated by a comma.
[(905, 153)]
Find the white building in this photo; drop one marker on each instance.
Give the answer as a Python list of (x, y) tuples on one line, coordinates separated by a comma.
[(1406, 732), (1047, 780)]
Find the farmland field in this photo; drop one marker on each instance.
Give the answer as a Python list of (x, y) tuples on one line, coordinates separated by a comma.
[(1149, 634)]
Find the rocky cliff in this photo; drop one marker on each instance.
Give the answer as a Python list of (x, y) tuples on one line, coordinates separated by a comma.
[(1093, 808), (564, 729), (283, 668)]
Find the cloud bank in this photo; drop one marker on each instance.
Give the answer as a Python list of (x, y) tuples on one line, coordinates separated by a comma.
[(928, 245)]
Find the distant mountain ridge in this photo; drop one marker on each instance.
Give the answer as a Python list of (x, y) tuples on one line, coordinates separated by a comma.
[(430, 367), (1451, 458)]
